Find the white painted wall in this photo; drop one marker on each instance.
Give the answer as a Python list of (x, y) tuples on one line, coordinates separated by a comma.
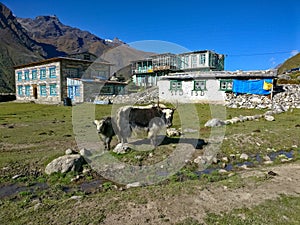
[(187, 95)]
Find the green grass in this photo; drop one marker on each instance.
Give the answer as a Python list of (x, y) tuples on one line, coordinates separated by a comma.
[(32, 135), (284, 210)]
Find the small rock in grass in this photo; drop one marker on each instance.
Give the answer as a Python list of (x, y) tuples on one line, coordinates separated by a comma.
[(244, 156)]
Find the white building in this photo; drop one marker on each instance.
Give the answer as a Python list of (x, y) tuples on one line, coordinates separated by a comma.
[(211, 87)]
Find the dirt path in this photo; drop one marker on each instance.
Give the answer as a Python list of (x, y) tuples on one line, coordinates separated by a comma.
[(213, 198)]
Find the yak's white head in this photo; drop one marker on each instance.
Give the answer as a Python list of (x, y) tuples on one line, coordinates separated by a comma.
[(168, 116), (99, 125)]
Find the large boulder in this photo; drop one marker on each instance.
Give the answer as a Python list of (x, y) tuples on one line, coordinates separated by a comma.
[(65, 164)]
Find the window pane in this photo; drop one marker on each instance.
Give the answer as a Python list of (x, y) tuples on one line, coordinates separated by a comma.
[(26, 74), (20, 90), (43, 90), (27, 90), (19, 76), (34, 74), (42, 73), (52, 72), (53, 90)]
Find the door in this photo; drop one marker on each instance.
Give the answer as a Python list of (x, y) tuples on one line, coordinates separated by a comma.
[(71, 92), (35, 95)]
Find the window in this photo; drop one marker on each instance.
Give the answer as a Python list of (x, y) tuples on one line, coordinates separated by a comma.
[(77, 91), (53, 90), (200, 85), (20, 90), (19, 76), (226, 85), (52, 72), (86, 57), (72, 72), (34, 74), (27, 90), (175, 85), (106, 90), (43, 90), (202, 59), (194, 61), (26, 74), (42, 73)]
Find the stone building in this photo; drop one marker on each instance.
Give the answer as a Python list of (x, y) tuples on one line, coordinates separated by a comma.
[(46, 81)]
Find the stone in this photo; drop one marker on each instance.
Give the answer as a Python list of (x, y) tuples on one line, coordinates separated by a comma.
[(269, 118), (76, 197), (225, 159), (268, 162), (135, 184), (244, 156), (245, 167), (16, 176), (199, 160), (214, 123), (222, 171), (266, 158), (121, 148), (65, 164), (172, 132), (84, 152), (69, 151)]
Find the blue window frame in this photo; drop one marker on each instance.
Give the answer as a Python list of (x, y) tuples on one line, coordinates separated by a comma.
[(77, 90), (20, 90), (34, 74), (52, 72), (43, 73), (26, 74), (43, 90), (27, 90), (53, 90), (19, 75)]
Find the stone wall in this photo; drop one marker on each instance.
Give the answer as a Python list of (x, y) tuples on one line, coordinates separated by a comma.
[(148, 96), (288, 97)]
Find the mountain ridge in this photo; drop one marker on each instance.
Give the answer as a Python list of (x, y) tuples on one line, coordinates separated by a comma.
[(25, 40)]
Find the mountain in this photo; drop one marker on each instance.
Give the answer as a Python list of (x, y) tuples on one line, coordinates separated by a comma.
[(68, 40), (28, 40), (16, 47), (293, 62)]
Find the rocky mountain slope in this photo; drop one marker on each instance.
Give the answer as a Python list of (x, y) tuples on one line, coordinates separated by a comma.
[(16, 47), (67, 40), (27, 40), (293, 62)]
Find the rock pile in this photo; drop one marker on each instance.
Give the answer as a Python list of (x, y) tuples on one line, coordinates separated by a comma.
[(288, 98), (145, 97)]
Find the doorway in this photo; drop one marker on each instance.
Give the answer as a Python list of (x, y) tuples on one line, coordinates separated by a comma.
[(35, 95)]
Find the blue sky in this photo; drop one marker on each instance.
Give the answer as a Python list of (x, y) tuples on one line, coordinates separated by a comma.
[(253, 34)]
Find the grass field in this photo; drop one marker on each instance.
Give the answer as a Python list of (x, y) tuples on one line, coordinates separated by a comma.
[(31, 135)]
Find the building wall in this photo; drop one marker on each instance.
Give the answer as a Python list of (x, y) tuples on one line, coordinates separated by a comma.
[(188, 94), (72, 69), (35, 83)]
